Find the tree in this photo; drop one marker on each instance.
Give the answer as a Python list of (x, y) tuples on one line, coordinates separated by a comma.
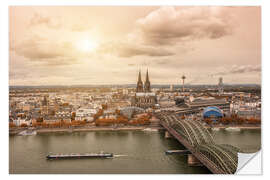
[(98, 114), (67, 124), (65, 104), (40, 119), (52, 112), (73, 115), (82, 123), (253, 120), (34, 124), (240, 120), (104, 106), (44, 124), (121, 120), (23, 125), (11, 124), (224, 120), (56, 124), (117, 112), (208, 120), (142, 120)]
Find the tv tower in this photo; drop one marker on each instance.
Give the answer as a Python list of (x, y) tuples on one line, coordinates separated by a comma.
[(183, 80)]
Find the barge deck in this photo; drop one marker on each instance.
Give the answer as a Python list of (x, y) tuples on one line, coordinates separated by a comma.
[(78, 156)]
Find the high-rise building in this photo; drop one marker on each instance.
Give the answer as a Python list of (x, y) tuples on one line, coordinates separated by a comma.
[(171, 87), (220, 86)]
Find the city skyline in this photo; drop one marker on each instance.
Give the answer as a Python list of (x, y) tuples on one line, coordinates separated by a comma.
[(87, 45)]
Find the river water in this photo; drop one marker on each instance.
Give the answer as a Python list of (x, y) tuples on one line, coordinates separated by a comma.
[(137, 152)]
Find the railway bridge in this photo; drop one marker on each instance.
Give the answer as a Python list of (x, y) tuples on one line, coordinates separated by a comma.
[(218, 158)]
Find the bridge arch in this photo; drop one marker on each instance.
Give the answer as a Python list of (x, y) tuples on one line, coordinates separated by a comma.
[(222, 157), (219, 156)]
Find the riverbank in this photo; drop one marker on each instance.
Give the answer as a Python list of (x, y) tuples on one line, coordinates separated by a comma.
[(16, 131), (233, 126), (130, 128), (86, 129)]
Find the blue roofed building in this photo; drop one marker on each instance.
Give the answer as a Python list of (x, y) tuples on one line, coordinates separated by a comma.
[(212, 112)]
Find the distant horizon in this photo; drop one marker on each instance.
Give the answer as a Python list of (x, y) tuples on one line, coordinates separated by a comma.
[(175, 85)]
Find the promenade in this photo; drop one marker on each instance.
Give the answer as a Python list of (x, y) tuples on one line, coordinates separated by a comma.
[(86, 129)]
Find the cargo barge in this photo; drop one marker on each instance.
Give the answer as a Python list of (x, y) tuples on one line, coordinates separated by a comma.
[(78, 156)]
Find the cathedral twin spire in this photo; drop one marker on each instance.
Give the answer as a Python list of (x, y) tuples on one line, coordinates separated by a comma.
[(147, 84)]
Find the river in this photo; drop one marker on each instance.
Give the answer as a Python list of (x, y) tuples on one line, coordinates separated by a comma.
[(136, 152)]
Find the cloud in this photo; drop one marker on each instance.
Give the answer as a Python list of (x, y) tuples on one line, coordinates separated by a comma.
[(49, 22), (163, 61), (169, 25), (80, 27), (47, 51), (240, 69), (127, 49)]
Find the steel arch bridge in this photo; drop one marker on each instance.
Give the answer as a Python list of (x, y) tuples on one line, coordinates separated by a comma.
[(219, 158)]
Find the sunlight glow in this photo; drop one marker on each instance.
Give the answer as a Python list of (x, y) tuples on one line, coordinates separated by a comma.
[(86, 45)]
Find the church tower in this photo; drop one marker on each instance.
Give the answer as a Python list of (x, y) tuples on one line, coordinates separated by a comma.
[(45, 105), (139, 83), (147, 84)]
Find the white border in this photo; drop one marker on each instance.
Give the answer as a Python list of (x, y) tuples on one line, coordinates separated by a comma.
[(137, 2), (4, 74)]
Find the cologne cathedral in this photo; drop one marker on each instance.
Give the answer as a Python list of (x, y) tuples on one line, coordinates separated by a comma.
[(144, 98)]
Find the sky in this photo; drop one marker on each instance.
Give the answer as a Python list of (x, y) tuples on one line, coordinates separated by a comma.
[(81, 45)]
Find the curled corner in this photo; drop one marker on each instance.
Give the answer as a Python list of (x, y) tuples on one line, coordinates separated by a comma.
[(249, 163)]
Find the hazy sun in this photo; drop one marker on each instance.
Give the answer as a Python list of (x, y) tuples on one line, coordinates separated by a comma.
[(86, 45)]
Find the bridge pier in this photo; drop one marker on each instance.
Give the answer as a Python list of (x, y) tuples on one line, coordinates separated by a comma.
[(193, 161), (168, 135)]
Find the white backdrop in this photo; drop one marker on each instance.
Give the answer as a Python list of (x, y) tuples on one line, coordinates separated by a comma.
[(253, 165)]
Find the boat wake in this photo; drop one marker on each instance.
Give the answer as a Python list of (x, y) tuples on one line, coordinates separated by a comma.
[(150, 130), (215, 129), (120, 155), (233, 129)]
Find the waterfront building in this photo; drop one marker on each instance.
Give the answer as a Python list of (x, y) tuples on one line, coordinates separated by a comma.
[(63, 115), (213, 113), (19, 121), (249, 113), (51, 120), (85, 114)]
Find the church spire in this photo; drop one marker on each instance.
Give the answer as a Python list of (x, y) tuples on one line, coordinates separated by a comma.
[(147, 78), (147, 83), (139, 77), (139, 83)]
